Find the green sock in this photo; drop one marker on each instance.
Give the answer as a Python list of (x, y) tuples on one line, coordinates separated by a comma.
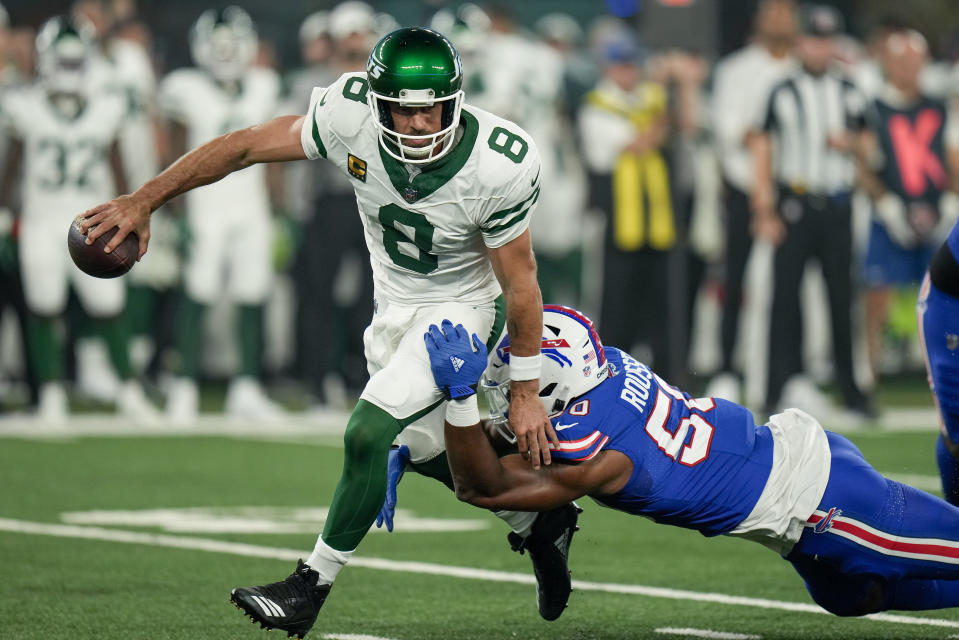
[(438, 468), (362, 487), (251, 339), (114, 334), (45, 350), (189, 333), (138, 314)]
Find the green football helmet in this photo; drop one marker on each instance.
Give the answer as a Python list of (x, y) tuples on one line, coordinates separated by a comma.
[(415, 67)]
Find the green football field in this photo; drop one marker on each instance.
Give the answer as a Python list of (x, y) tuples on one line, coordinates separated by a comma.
[(143, 537)]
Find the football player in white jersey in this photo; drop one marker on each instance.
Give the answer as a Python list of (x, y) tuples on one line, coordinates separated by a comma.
[(68, 137), (445, 193), (229, 224)]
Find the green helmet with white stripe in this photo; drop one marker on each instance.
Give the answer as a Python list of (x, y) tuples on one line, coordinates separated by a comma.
[(415, 67)]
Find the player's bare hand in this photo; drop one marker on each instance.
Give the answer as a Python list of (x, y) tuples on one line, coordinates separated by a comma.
[(127, 214), (528, 420)]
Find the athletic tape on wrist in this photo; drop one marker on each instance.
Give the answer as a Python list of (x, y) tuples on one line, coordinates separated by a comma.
[(525, 367), (463, 413)]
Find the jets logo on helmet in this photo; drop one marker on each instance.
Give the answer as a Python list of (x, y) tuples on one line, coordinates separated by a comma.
[(415, 67), (568, 337)]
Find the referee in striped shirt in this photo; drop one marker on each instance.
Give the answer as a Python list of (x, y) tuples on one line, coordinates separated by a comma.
[(813, 119)]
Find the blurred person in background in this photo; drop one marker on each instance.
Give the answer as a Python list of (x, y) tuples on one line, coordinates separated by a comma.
[(229, 224), (741, 86), (623, 127), (542, 108), (66, 132), (911, 171), (565, 36), (12, 74), (801, 202), (695, 190), (124, 65), (522, 78), (334, 285)]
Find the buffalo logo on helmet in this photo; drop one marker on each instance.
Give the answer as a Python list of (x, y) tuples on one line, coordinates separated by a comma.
[(550, 347)]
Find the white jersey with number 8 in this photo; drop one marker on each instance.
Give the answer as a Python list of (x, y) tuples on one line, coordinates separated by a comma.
[(428, 230)]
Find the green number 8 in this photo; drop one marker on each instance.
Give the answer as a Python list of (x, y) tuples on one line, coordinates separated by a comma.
[(504, 142), (422, 238)]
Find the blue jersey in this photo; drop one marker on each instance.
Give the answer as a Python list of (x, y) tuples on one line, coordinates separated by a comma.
[(697, 463)]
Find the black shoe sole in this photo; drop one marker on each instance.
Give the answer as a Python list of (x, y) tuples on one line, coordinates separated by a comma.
[(251, 613)]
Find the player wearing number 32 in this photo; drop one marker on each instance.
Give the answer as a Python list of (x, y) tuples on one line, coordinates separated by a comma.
[(65, 135), (861, 543), (445, 192)]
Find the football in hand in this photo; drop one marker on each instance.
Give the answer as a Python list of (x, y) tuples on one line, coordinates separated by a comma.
[(91, 258)]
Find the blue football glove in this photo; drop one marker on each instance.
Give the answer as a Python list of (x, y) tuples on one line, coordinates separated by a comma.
[(399, 457), (456, 366)]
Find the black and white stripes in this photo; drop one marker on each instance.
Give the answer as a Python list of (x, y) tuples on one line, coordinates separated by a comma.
[(808, 116)]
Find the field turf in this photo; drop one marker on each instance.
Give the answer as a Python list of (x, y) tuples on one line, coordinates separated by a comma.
[(62, 576)]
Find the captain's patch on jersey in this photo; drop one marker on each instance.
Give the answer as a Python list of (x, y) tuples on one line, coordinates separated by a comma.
[(356, 167)]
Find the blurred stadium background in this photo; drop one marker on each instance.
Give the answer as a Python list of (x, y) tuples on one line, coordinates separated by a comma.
[(81, 479), (565, 48)]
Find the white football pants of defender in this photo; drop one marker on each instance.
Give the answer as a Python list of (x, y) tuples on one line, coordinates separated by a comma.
[(47, 270), (230, 252)]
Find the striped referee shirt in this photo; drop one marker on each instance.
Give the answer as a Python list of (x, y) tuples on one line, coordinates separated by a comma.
[(803, 111)]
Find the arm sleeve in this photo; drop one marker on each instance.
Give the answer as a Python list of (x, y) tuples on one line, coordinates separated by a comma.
[(314, 135), (511, 214)]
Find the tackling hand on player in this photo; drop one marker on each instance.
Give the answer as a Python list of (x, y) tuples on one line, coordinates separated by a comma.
[(457, 364), (127, 214)]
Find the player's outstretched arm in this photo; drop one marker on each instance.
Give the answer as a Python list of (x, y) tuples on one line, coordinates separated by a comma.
[(484, 480), (275, 141)]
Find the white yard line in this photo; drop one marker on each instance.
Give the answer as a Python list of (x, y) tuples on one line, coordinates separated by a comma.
[(706, 633), (354, 636), (290, 555), (293, 426)]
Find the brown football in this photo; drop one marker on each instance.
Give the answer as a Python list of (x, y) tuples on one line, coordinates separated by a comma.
[(91, 258)]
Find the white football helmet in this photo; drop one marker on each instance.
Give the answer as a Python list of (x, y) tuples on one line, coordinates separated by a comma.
[(224, 43), (574, 362), (65, 47)]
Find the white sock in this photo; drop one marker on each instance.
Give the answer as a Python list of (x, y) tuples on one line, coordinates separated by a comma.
[(519, 521), (327, 561)]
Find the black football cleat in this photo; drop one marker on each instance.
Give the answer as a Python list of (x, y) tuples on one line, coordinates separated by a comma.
[(290, 605), (548, 546)]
